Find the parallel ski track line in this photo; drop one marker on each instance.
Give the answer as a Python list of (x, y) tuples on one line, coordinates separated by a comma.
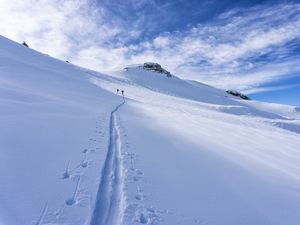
[(109, 205)]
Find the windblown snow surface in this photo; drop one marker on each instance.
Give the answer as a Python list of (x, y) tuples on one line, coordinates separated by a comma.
[(74, 152)]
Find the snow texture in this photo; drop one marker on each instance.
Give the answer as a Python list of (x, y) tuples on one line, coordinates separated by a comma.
[(171, 151)]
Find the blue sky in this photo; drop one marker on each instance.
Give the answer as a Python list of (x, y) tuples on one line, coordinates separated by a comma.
[(251, 46)]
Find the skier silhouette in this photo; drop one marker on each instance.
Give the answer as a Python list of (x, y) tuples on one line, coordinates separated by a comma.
[(118, 91), (123, 92)]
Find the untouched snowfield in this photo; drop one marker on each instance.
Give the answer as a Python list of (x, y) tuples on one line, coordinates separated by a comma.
[(74, 152)]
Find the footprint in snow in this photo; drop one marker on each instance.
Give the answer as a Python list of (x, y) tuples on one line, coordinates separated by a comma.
[(138, 172), (148, 215), (138, 176), (138, 197), (86, 164), (70, 201), (66, 174), (143, 218)]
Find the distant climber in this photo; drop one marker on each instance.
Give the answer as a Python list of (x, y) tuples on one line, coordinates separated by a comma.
[(25, 44), (123, 92), (117, 90)]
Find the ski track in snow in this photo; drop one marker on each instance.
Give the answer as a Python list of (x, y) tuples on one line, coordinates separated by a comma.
[(41, 218), (109, 205)]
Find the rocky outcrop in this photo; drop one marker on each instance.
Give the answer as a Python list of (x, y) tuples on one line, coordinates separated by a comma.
[(25, 44), (156, 68), (238, 94)]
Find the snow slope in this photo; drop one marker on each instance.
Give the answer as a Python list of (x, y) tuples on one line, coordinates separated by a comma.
[(54, 131), (170, 152)]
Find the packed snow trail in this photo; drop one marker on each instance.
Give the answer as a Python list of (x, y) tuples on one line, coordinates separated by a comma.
[(109, 203)]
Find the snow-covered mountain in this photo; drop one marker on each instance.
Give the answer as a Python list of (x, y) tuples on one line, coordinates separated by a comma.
[(171, 151)]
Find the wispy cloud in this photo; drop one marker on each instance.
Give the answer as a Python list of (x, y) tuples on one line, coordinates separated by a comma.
[(241, 48), (59, 28), (271, 88)]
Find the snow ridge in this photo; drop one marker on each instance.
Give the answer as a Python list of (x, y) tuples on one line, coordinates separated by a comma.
[(109, 205)]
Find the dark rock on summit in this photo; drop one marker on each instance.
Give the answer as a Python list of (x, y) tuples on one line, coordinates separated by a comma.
[(156, 68)]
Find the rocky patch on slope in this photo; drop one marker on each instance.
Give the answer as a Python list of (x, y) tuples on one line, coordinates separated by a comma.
[(238, 94)]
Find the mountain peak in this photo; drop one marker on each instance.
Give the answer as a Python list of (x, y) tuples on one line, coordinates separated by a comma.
[(150, 66)]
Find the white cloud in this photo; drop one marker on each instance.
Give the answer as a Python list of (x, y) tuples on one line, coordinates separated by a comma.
[(161, 42), (271, 88), (224, 52), (56, 27)]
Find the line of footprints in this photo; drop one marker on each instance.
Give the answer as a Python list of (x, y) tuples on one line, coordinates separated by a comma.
[(74, 172), (137, 211)]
